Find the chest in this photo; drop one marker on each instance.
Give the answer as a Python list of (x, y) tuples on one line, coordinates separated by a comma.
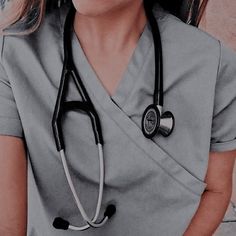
[(188, 93), (110, 67)]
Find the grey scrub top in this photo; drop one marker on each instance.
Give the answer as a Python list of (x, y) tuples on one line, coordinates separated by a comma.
[(156, 184)]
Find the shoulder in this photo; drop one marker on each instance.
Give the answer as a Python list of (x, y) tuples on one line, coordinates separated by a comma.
[(1, 52), (185, 37), (227, 59), (186, 45), (189, 40)]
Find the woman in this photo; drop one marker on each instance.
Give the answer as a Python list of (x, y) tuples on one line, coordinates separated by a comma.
[(176, 185)]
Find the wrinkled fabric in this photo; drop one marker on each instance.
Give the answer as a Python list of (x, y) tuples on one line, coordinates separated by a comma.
[(156, 184)]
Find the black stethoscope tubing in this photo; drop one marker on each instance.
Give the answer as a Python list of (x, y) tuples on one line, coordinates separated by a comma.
[(158, 90), (86, 105)]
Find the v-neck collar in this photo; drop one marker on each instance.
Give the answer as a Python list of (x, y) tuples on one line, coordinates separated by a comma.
[(130, 75), (132, 72)]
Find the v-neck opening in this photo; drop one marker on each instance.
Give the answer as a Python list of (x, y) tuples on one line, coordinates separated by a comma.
[(129, 76), (133, 68)]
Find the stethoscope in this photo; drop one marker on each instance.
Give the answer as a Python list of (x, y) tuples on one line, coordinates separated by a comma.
[(153, 120)]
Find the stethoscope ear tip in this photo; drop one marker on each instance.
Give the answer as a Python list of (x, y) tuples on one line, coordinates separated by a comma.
[(110, 211), (60, 223)]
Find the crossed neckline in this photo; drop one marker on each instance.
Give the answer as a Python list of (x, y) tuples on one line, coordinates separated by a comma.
[(130, 76)]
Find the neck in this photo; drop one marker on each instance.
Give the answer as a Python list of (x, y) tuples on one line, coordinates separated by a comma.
[(114, 30)]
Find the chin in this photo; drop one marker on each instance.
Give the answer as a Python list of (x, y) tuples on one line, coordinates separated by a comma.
[(99, 7)]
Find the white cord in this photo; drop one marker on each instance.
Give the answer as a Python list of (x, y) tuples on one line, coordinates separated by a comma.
[(72, 227), (78, 203)]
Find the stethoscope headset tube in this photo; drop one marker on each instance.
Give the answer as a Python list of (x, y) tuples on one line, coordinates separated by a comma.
[(153, 120), (85, 105)]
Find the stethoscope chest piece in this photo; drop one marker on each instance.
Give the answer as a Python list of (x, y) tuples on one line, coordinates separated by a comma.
[(154, 122), (150, 121)]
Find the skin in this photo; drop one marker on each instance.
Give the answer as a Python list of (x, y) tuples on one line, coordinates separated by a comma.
[(2, 4), (13, 185), (216, 198), (111, 29)]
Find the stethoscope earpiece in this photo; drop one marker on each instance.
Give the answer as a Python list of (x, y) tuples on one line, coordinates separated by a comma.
[(110, 211), (60, 223)]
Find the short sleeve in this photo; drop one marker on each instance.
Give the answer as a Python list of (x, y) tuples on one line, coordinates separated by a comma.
[(223, 132), (10, 123)]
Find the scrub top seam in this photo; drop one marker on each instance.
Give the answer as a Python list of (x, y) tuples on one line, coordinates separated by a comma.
[(217, 78), (217, 75), (223, 146), (3, 40), (4, 82), (1, 61), (219, 60)]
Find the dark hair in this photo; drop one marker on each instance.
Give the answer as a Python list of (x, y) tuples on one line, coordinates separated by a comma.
[(173, 6), (189, 11)]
